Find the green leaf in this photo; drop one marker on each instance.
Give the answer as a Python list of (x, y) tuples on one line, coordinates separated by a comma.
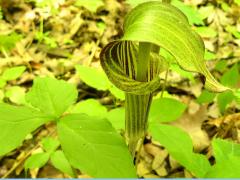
[(166, 110), (206, 97), (1, 95), (234, 31), (221, 65), (1, 13), (181, 72), (206, 11), (98, 80), (179, 145), (94, 147), (90, 5), (90, 107), (16, 94), (224, 99), (16, 123), (237, 2), (229, 168), (192, 14), (236, 94), (224, 149), (60, 162), (50, 145), (93, 77), (185, 45), (52, 96), (2, 82), (116, 117), (51, 42), (119, 94), (134, 3), (209, 55), (227, 155), (225, 7), (8, 41), (36, 161), (170, 59), (207, 32), (231, 77), (13, 73)]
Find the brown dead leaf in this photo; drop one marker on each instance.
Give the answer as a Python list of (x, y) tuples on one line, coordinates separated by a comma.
[(162, 171), (192, 124), (49, 171), (152, 149), (159, 159), (226, 127), (143, 169), (187, 174)]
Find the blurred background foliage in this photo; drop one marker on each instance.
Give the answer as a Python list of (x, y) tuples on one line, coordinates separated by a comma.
[(63, 39)]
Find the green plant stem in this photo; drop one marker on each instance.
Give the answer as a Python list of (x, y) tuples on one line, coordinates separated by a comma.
[(155, 48), (137, 106), (4, 52), (143, 61)]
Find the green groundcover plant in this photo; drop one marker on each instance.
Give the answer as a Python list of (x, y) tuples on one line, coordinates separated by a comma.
[(91, 144)]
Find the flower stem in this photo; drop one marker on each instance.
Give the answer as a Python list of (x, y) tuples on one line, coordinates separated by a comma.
[(137, 106), (143, 60)]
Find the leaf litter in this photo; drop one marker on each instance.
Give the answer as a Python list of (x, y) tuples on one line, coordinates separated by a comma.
[(51, 39)]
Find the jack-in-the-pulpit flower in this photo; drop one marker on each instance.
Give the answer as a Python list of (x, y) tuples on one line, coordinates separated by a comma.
[(133, 63)]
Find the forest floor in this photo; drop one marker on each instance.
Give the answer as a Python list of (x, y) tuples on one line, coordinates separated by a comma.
[(49, 38)]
